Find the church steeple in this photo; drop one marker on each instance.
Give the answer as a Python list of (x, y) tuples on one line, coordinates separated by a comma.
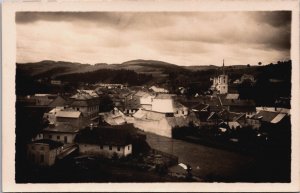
[(223, 68)]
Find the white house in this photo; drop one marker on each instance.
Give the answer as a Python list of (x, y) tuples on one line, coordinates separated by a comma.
[(163, 103), (62, 132), (106, 142)]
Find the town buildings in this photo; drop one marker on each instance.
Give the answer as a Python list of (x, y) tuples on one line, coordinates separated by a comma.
[(86, 103)]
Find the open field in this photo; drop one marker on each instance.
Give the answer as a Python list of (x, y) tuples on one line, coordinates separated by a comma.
[(213, 164)]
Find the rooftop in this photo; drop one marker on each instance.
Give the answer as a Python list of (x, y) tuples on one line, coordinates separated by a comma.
[(107, 135), (271, 117), (52, 144), (62, 128)]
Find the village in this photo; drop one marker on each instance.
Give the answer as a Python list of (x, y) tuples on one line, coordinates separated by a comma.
[(111, 124)]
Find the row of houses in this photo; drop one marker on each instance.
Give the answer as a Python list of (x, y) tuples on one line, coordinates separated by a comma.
[(59, 141)]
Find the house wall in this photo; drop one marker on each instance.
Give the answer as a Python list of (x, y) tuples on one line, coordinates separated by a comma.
[(35, 152), (89, 111), (104, 150), (73, 121), (162, 105), (60, 137), (181, 112), (154, 115), (146, 100), (146, 107), (159, 127), (128, 150)]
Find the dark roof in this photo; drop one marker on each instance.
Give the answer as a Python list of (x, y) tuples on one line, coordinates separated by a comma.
[(84, 102), (62, 128), (231, 116), (234, 102), (268, 116), (58, 101), (242, 109), (52, 144), (133, 103), (238, 105), (201, 107), (108, 135)]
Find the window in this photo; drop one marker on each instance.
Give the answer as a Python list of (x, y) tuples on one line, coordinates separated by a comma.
[(110, 147), (65, 139), (118, 148), (58, 137), (128, 147), (42, 158)]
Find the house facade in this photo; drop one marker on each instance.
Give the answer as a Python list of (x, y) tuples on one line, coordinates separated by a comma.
[(43, 152), (75, 118), (105, 142), (86, 103), (62, 132)]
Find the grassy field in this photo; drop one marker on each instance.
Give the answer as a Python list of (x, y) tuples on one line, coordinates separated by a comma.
[(218, 165)]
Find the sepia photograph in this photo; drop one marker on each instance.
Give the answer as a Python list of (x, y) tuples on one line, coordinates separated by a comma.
[(153, 96)]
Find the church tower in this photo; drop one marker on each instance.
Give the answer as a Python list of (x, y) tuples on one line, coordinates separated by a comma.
[(220, 83)]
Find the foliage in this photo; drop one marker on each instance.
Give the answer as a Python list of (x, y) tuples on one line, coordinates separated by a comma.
[(108, 76)]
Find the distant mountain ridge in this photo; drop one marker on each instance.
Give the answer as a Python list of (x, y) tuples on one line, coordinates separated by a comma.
[(56, 68)]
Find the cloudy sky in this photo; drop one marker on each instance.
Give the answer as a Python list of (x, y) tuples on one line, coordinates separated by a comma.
[(182, 38)]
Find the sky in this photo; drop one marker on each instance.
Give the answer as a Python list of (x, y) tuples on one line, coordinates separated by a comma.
[(182, 38)]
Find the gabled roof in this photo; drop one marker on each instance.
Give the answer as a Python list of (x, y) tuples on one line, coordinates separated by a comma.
[(115, 135), (58, 101), (62, 128), (271, 117), (92, 93), (114, 117), (140, 114), (141, 94), (52, 144), (183, 121), (68, 114)]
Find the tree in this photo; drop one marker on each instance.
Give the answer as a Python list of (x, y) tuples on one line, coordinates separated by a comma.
[(259, 63), (248, 65)]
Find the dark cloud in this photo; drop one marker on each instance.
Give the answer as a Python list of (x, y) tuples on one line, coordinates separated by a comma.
[(273, 18), (174, 36), (121, 20)]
